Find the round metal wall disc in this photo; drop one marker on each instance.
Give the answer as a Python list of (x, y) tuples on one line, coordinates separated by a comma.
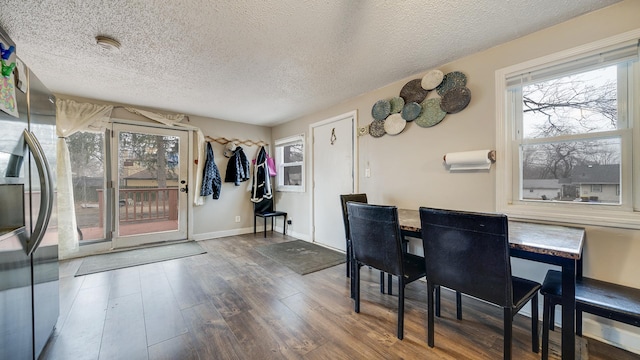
[(431, 113), (413, 91), (394, 124)]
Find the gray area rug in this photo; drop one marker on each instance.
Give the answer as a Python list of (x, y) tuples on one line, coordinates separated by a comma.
[(301, 256), (122, 259)]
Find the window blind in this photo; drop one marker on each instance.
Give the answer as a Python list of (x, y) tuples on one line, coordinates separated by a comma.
[(620, 53)]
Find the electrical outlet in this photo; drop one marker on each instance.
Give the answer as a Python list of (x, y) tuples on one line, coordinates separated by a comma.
[(238, 218), (289, 222), (367, 172)]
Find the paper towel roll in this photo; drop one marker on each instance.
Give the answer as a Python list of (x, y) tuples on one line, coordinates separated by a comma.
[(468, 160)]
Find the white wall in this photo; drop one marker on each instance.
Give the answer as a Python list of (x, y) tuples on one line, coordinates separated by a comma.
[(407, 170)]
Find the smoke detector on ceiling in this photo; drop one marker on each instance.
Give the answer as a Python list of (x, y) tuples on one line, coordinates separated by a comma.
[(107, 43)]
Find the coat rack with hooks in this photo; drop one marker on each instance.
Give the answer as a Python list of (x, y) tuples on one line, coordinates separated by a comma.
[(224, 141)]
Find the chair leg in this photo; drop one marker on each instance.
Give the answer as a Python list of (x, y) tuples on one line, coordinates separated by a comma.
[(437, 300), (389, 282), (284, 226), (430, 312), (353, 269), (547, 310), (535, 342), (265, 227), (382, 282), (552, 316), (348, 259), (356, 279), (458, 305), (578, 322), (400, 306), (254, 224), (508, 332)]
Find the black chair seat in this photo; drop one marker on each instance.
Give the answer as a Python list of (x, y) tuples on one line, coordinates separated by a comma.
[(414, 267), (601, 298), (605, 295), (523, 290), (271, 213)]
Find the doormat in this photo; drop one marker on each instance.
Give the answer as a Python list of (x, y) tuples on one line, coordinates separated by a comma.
[(122, 259), (302, 256)]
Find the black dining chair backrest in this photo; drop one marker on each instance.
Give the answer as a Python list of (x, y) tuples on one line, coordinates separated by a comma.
[(469, 252), (375, 236), (359, 198), (478, 246), (376, 240)]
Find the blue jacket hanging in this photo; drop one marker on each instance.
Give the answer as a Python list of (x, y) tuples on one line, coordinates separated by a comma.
[(211, 180)]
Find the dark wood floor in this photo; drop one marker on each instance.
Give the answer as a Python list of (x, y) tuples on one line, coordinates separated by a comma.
[(233, 303)]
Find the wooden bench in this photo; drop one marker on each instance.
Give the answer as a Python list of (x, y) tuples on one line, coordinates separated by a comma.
[(601, 298)]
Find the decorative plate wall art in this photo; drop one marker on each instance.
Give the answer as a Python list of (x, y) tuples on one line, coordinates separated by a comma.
[(381, 109), (455, 100), (397, 103), (432, 79), (431, 113), (451, 80), (413, 91), (376, 129), (394, 124), (391, 115), (411, 111)]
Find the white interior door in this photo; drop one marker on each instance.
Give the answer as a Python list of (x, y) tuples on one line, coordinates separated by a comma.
[(149, 166), (333, 175)]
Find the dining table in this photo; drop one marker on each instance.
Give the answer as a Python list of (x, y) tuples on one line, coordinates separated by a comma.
[(550, 244)]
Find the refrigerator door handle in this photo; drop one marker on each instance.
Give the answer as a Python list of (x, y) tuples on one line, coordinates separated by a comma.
[(46, 191)]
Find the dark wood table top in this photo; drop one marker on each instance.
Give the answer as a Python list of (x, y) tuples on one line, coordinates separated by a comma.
[(561, 241)]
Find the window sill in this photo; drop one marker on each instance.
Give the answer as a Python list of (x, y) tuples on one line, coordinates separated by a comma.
[(290, 189), (573, 215)]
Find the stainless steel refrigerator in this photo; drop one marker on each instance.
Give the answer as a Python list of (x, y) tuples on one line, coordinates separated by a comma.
[(29, 294)]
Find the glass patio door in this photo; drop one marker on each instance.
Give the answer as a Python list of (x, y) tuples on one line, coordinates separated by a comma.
[(149, 167)]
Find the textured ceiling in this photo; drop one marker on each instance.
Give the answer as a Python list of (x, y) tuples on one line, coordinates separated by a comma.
[(254, 61)]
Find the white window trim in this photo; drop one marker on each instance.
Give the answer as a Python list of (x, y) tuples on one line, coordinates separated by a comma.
[(611, 216), (282, 142)]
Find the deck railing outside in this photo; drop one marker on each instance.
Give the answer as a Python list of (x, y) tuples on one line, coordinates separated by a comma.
[(139, 205)]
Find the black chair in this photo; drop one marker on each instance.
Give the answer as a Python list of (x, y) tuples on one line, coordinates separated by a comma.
[(264, 209), (376, 241), (469, 252), (600, 298)]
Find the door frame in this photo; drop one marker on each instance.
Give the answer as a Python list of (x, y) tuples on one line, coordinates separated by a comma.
[(355, 163), (184, 215)]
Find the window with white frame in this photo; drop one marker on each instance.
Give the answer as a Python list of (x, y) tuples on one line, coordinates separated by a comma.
[(571, 121), (290, 163)]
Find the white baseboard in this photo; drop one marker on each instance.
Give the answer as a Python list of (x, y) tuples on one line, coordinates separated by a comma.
[(249, 230), (612, 335), (224, 233), (294, 234)]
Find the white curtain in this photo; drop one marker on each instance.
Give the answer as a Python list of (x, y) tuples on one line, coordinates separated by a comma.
[(72, 117)]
